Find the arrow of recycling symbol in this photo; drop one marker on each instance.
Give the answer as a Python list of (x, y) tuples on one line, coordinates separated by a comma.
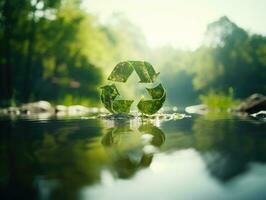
[(121, 73)]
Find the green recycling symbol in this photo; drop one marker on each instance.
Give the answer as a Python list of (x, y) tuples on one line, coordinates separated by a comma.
[(121, 73)]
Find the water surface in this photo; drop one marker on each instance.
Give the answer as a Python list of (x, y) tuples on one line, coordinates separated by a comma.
[(202, 157)]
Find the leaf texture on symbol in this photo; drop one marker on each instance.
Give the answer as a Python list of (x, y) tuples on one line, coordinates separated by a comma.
[(145, 71), (151, 106), (122, 106), (123, 70), (108, 95), (121, 73)]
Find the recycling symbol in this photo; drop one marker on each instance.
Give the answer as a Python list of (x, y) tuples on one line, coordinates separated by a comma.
[(121, 73)]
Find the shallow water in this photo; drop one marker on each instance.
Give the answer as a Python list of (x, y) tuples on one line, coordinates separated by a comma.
[(202, 157)]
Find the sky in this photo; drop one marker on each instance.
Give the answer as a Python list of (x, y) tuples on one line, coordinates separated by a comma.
[(181, 23)]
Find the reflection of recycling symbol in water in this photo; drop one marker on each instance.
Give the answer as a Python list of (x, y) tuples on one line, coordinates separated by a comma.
[(130, 148), (121, 73)]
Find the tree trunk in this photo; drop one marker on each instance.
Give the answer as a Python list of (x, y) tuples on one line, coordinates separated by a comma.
[(6, 66), (28, 66)]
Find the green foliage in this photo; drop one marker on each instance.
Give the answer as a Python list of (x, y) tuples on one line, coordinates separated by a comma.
[(121, 73), (54, 50), (230, 58), (219, 101)]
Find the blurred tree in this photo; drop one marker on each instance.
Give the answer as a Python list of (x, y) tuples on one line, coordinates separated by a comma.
[(230, 57), (8, 21), (54, 50), (67, 67)]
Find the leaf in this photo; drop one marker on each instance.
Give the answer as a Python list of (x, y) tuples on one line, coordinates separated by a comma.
[(122, 106), (157, 92), (108, 95), (145, 71), (121, 72), (151, 106)]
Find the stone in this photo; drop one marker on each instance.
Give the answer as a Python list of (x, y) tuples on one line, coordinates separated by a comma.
[(253, 104), (37, 107), (260, 115), (77, 110), (197, 109)]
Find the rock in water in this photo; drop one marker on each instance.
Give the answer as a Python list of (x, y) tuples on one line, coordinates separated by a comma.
[(77, 110), (37, 107), (253, 104), (260, 115), (197, 109)]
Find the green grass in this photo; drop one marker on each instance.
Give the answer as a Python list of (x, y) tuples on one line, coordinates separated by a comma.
[(219, 101)]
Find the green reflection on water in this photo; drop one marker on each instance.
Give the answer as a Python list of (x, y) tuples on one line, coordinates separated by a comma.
[(65, 156), (228, 146), (131, 149), (73, 154)]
